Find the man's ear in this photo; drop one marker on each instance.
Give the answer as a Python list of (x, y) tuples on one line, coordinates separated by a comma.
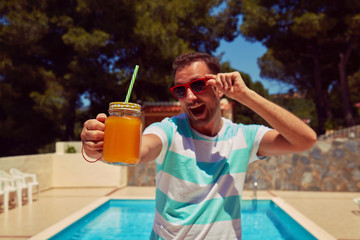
[(219, 93)]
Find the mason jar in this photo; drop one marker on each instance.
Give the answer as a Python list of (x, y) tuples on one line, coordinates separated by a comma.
[(122, 138)]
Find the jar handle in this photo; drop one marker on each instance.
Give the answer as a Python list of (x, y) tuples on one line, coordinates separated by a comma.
[(82, 152)]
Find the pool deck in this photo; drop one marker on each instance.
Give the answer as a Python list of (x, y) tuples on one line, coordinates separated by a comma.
[(333, 212)]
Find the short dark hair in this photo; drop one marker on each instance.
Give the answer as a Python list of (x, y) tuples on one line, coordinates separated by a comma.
[(187, 59)]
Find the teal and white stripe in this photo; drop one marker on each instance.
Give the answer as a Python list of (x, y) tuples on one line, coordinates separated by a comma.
[(200, 179), (215, 231)]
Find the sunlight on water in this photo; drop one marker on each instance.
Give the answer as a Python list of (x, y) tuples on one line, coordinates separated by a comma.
[(133, 219)]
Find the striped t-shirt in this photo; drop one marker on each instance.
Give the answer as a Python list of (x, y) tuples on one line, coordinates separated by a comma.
[(199, 179)]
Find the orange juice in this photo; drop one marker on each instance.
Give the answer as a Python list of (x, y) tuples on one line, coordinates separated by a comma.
[(122, 139)]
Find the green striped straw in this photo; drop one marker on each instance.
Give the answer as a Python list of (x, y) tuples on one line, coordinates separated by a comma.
[(131, 83)]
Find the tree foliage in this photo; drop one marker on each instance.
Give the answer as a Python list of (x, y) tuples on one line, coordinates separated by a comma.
[(313, 45), (53, 53)]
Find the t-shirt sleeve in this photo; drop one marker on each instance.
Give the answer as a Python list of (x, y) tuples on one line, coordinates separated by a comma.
[(258, 137), (158, 130)]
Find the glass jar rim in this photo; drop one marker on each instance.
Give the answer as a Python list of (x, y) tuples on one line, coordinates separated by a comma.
[(124, 105)]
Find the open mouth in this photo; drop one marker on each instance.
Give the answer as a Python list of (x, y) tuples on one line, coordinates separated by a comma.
[(197, 110)]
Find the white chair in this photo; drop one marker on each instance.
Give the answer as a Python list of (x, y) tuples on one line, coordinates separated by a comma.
[(5, 195), (357, 201), (27, 179), (7, 187)]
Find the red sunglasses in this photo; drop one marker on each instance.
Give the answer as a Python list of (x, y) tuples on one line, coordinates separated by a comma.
[(197, 86)]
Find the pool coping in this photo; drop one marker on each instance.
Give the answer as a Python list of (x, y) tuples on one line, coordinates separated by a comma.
[(62, 224), (305, 222)]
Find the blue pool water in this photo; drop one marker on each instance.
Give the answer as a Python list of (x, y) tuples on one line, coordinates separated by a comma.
[(133, 219)]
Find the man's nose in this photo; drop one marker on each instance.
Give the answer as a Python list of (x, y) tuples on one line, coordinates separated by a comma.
[(190, 96)]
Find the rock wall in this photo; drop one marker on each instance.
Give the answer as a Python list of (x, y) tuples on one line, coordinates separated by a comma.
[(142, 175), (330, 165)]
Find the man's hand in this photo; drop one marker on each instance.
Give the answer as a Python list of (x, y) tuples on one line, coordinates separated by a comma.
[(231, 84), (92, 136), (290, 134)]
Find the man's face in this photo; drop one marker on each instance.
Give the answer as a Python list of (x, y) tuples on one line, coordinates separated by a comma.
[(203, 108)]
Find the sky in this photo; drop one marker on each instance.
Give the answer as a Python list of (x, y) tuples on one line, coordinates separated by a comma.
[(243, 56)]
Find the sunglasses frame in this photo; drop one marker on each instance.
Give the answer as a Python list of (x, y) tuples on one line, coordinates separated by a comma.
[(188, 85)]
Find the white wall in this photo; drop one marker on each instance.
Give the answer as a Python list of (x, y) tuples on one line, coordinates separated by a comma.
[(71, 170), (67, 170), (40, 164)]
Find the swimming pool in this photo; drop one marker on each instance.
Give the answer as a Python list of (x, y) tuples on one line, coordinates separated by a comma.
[(133, 219)]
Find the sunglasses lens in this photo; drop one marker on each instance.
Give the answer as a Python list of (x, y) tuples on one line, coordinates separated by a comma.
[(179, 92), (198, 86)]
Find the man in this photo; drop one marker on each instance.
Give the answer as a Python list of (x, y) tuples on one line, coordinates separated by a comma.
[(201, 157)]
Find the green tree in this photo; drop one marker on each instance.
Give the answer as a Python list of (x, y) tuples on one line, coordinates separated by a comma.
[(55, 52), (310, 44)]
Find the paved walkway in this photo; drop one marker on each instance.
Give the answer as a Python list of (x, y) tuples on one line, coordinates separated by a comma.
[(336, 213)]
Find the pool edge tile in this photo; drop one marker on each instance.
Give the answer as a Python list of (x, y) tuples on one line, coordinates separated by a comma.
[(305, 222), (57, 227)]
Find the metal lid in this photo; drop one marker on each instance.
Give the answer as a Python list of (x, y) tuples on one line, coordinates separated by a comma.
[(124, 105)]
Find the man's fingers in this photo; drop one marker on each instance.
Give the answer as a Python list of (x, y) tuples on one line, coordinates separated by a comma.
[(94, 125), (94, 145), (219, 82), (211, 82), (225, 80), (222, 81), (101, 117), (94, 135)]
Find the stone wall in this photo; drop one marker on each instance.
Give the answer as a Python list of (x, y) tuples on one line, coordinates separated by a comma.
[(142, 175), (330, 165), (351, 132)]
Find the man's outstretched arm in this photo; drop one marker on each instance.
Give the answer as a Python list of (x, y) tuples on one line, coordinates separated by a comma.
[(290, 134)]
